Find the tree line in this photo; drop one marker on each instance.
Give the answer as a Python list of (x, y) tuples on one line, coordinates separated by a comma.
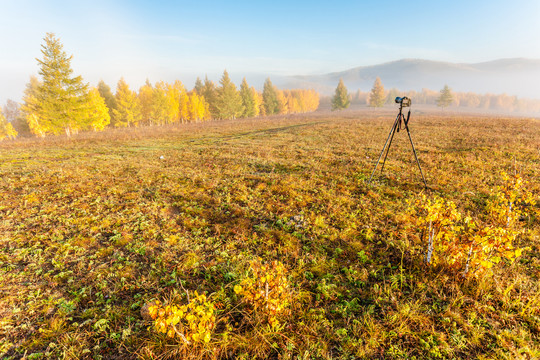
[(59, 102), (378, 96)]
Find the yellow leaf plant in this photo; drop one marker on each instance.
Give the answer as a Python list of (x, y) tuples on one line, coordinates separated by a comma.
[(468, 245), (267, 290), (192, 323)]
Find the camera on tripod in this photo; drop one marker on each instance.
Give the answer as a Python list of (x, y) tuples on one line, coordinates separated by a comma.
[(401, 121), (403, 101)]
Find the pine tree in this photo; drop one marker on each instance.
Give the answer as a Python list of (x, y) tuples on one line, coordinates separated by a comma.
[(209, 93), (108, 96), (377, 96), (97, 114), (61, 97), (6, 129), (128, 108), (446, 98), (248, 100), (270, 98), (229, 102), (199, 86), (341, 97)]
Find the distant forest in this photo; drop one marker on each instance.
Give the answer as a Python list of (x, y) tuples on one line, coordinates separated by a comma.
[(500, 102)]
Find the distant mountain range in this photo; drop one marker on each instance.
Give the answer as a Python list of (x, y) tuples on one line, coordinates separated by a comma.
[(517, 76)]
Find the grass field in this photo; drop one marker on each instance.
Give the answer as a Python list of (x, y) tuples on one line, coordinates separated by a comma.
[(95, 226)]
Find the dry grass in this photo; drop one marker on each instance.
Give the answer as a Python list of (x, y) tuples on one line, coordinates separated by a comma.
[(95, 226)]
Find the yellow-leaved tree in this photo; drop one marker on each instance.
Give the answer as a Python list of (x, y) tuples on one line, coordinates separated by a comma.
[(198, 108), (175, 92), (97, 113), (184, 109), (160, 106), (128, 108), (6, 129), (311, 100), (257, 99), (282, 102), (146, 93), (377, 96)]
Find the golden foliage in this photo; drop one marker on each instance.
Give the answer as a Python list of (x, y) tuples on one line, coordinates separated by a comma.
[(266, 290), (6, 129), (192, 323), (468, 245)]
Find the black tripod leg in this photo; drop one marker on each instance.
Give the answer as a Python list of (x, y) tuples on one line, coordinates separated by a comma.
[(396, 127), (390, 135), (415, 156)]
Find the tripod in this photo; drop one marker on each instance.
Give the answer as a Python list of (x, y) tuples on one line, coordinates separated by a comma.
[(398, 124)]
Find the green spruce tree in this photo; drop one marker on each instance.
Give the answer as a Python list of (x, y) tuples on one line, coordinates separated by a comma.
[(209, 92), (229, 102), (340, 100), (199, 86), (61, 98), (108, 96), (270, 98), (248, 100), (446, 98)]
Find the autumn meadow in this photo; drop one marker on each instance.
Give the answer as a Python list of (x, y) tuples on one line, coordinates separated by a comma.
[(227, 234)]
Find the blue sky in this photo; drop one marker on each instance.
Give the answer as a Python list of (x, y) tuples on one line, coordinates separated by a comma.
[(167, 40)]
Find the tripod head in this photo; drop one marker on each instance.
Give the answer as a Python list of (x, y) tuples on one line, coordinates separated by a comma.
[(403, 101)]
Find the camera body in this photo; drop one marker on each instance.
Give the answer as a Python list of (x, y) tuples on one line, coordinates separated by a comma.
[(403, 101)]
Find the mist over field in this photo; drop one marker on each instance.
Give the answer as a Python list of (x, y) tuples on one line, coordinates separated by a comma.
[(520, 77), (515, 77)]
